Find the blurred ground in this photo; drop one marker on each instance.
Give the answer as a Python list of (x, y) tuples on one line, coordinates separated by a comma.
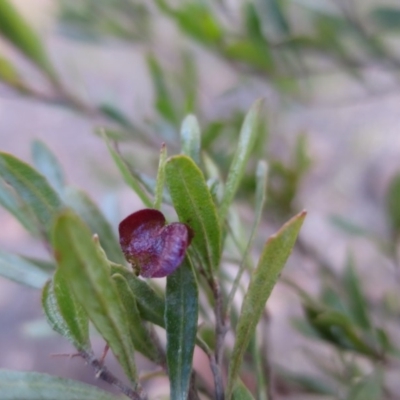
[(355, 146)]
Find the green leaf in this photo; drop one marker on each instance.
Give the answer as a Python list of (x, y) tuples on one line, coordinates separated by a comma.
[(32, 188), (272, 13), (393, 204), (64, 314), (15, 206), (21, 270), (9, 74), (386, 18), (88, 274), (15, 29), (357, 302), (368, 388), (139, 333), (47, 164), (116, 115), (348, 226), (191, 138), (181, 313), (159, 190), (19, 385), (151, 306), (240, 391), (245, 146), (90, 213), (273, 258), (164, 100), (129, 179), (194, 205)]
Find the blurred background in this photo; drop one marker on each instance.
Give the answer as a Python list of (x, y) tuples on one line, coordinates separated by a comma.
[(72, 70)]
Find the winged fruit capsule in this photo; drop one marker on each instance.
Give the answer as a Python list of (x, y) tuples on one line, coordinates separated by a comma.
[(155, 249)]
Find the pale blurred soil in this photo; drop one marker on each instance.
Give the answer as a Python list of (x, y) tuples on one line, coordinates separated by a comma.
[(355, 149)]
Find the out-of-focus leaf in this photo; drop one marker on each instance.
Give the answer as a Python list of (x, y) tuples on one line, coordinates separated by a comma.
[(47, 164), (20, 385), (386, 18), (190, 138), (245, 146), (9, 74), (140, 335), (274, 18), (15, 29), (21, 270), (164, 100), (368, 388), (273, 258), (253, 23), (159, 191), (151, 306), (181, 313), (129, 179), (194, 206), (393, 204), (251, 53), (240, 391), (32, 188), (356, 300), (88, 275), (347, 226), (15, 206), (196, 20), (190, 80), (90, 213), (309, 383), (64, 314), (116, 115), (44, 265)]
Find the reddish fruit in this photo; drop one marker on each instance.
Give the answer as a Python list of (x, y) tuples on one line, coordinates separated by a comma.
[(154, 249)]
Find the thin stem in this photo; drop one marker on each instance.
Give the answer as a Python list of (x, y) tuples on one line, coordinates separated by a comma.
[(105, 375)]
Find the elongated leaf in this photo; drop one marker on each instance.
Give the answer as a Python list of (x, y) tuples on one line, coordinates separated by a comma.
[(64, 314), (194, 206), (158, 195), (386, 18), (88, 274), (129, 179), (140, 335), (274, 17), (21, 270), (240, 392), (90, 213), (20, 385), (151, 306), (47, 164), (190, 138), (15, 29), (247, 139), (368, 388), (181, 313), (9, 74), (15, 206), (273, 258), (357, 301), (32, 187)]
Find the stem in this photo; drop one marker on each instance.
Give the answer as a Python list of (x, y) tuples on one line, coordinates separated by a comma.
[(105, 375)]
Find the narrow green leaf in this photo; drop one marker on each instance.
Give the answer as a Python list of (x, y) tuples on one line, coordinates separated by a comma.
[(32, 188), (9, 74), (64, 314), (191, 138), (15, 206), (139, 333), (94, 218), (357, 301), (194, 205), (273, 258), (386, 18), (181, 313), (151, 306), (240, 391), (116, 115), (129, 179), (245, 146), (21, 270), (274, 18), (393, 204), (159, 190), (261, 191), (72, 312), (368, 388), (20, 385), (88, 274), (16, 30), (47, 164)]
